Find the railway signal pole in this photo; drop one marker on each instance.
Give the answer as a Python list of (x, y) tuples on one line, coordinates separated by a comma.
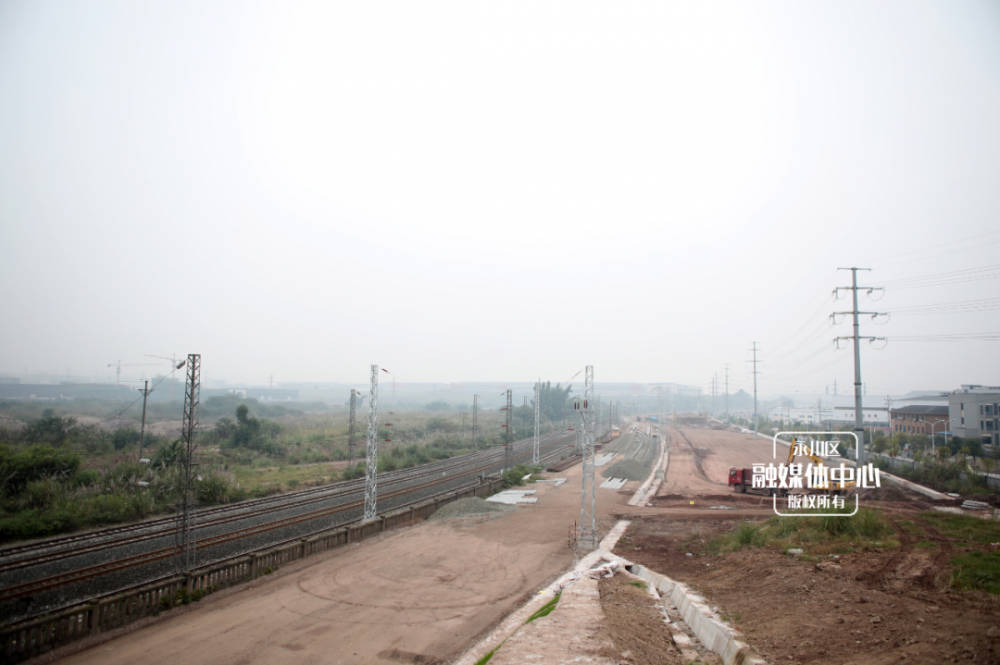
[(859, 428), (192, 397), (371, 460), (587, 528), (534, 443)]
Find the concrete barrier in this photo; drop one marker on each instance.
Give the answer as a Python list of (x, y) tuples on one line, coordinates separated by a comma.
[(707, 626)]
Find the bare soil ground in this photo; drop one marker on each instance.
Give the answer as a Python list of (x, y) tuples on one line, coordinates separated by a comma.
[(873, 606), (416, 595), (635, 624)]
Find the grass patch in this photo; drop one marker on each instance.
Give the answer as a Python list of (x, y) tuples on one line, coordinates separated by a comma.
[(977, 570), (515, 476), (963, 527), (821, 535), (639, 584), (545, 609), (485, 659)]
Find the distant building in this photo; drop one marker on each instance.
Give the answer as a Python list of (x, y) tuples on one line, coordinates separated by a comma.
[(919, 419), (975, 413)]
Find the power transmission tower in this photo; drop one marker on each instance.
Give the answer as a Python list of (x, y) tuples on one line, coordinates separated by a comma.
[(587, 529), (475, 418), (142, 428), (508, 435), (192, 393), (859, 428), (755, 373), (371, 460), (352, 426), (534, 443)]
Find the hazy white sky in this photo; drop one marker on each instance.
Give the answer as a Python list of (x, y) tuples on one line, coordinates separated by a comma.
[(497, 190)]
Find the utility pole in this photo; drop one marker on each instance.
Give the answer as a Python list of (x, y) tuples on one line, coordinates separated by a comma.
[(859, 428), (352, 426), (587, 529), (727, 391), (534, 443), (508, 435), (371, 460), (142, 429), (475, 418), (715, 391), (755, 373), (888, 414), (192, 397)]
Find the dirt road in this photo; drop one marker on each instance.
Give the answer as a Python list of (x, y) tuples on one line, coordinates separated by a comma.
[(415, 595)]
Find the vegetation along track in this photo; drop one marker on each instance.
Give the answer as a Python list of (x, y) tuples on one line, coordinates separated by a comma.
[(74, 568)]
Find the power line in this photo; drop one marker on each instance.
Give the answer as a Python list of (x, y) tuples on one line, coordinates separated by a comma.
[(946, 278), (948, 337)]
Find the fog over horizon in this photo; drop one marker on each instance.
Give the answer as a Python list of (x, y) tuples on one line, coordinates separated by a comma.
[(499, 191)]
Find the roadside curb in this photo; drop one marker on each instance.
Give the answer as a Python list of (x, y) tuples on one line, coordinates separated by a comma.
[(714, 633), (652, 484)]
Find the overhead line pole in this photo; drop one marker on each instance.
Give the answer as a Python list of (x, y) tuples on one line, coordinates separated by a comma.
[(371, 459), (351, 426), (142, 428), (192, 398), (727, 391), (587, 529), (475, 418), (534, 444), (755, 373), (508, 435), (859, 429)]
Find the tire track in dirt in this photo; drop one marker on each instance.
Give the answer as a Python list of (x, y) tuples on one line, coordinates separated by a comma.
[(697, 454)]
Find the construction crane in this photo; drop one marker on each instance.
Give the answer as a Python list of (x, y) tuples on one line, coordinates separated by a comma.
[(118, 368), (174, 363)]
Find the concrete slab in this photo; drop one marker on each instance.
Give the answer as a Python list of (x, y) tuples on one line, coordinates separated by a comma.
[(513, 497), (601, 460), (614, 483)]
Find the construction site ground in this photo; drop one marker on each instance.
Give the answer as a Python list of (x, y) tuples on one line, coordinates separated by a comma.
[(424, 594), (872, 606)]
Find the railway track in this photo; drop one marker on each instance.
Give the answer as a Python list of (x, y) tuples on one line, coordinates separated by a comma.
[(80, 555)]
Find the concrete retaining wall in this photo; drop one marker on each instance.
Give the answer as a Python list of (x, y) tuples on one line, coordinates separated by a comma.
[(713, 632)]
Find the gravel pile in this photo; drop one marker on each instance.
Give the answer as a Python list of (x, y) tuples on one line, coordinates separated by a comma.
[(469, 506)]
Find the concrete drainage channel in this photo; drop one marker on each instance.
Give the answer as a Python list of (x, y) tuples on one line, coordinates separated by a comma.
[(679, 603)]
